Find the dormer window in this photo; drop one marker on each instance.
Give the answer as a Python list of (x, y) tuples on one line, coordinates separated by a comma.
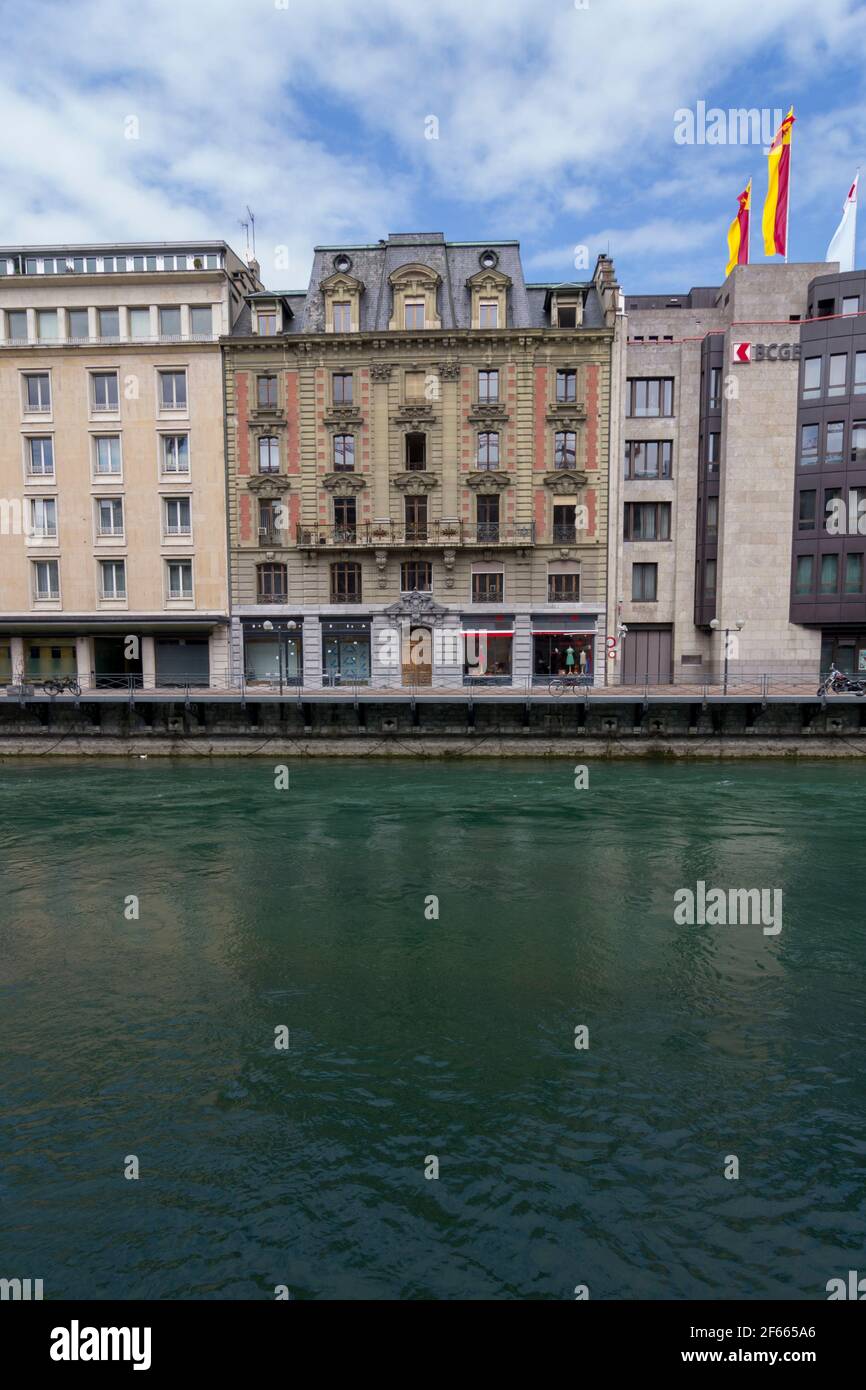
[(266, 322), (413, 313), (342, 317), (415, 288), (488, 313), (488, 289), (566, 308), (341, 295)]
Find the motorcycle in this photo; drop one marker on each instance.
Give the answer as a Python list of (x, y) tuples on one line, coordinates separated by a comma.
[(837, 683)]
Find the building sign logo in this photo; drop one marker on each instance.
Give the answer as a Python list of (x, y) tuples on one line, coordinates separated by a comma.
[(765, 352)]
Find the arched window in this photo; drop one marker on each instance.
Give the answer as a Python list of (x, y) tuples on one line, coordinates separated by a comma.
[(565, 449), (488, 449), (269, 454), (344, 453)]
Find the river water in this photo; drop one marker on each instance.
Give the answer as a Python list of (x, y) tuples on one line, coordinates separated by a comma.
[(428, 936)]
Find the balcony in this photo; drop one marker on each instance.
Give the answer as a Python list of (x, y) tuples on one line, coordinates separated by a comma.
[(380, 534)]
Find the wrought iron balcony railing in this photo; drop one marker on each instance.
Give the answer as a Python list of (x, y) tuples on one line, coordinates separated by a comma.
[(432, 533)]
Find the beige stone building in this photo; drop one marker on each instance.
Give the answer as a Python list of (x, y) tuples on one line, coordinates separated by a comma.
[(418, 451), (703, 494), (112, 480)]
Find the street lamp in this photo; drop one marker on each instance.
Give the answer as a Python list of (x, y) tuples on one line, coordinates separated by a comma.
[(716, 625)]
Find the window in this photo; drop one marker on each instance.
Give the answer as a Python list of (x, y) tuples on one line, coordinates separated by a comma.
[(415, 513), (488, 386), (104, 390), (342, 388), (342, 317), (853, 569), (40, 457), (488, 314), (834, 511), (565, 449), (345, 519), (109, 323), (808, 445), (169, 323), (266, 324), (838, 374), (106, 449), (179, 574), (37, 391), (566, 384), (488, 450), (715, 388), (139, 323), (266, 392), (344, 453), (860, 373), (714, 440), (804, 578), (175, 453), (829, 582), (17, 325), (811, 378), (647, 521), (416, 452), (710, 569), (346, 582), (172, 390), (201, 321), (648, 458), (177, 516), (46, 579), (647, 396), (43, 518), (269, 454), (851, 304), (564, 523), (46, 325), (807, 510), (711, 529), (416, 574), (487, 587), (644, 583), (112, 579), (413, 311), (413, 386), (858, 441), (566, 315), (487, 512), (109, 516), (78, 325), (835, 441), (563, 588), (271, 583), (826, 307)]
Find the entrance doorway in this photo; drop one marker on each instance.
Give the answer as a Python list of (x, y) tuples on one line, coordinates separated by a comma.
[(112, 668), (418, 657), (647, 655)]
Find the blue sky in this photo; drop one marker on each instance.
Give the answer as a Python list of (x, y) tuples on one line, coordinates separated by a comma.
[(556, 124)]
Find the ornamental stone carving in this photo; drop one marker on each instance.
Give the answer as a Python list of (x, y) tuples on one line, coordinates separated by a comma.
[(340, 415), (418, 480), (417, 607), (268, 482), (414, 415), (380, 371), (564, 480), (344, 484), (566, 414), (485, 413), (488, 480), (449, 371)]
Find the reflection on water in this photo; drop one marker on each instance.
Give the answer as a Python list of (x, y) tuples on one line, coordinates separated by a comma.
[(410, 1036)]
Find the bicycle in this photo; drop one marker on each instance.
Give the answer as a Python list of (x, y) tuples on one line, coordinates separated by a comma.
[(560, 684), (60, 685)]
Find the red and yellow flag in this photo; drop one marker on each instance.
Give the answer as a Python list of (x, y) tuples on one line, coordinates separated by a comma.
[(775, 220), (738, 232)]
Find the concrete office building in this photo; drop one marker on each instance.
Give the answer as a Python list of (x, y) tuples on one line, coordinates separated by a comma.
[(112, 475)]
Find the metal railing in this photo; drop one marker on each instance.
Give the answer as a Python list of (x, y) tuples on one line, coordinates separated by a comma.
[(436, 533)]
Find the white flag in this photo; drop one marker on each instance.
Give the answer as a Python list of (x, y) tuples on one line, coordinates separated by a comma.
[(841, 248)]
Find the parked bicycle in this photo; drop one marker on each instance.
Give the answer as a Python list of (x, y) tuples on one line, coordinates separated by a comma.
[(61, 685), (560, 684)]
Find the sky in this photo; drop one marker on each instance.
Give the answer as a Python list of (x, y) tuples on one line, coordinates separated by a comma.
[(551, 122)]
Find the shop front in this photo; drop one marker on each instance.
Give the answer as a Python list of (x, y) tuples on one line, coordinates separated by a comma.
[(273, 651), (563, 646), (346, 651), (182, 661), (846, 649), (488, 650)]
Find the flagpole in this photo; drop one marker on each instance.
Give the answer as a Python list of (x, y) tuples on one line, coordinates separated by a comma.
[(749, 224)]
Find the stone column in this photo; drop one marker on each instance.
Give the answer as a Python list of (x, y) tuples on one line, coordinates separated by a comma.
[(84, 661), (521, 651), (16, 656), (312, 653), (448, 652), (385, 653), (148, 660), (449, 388), (380, 376)]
